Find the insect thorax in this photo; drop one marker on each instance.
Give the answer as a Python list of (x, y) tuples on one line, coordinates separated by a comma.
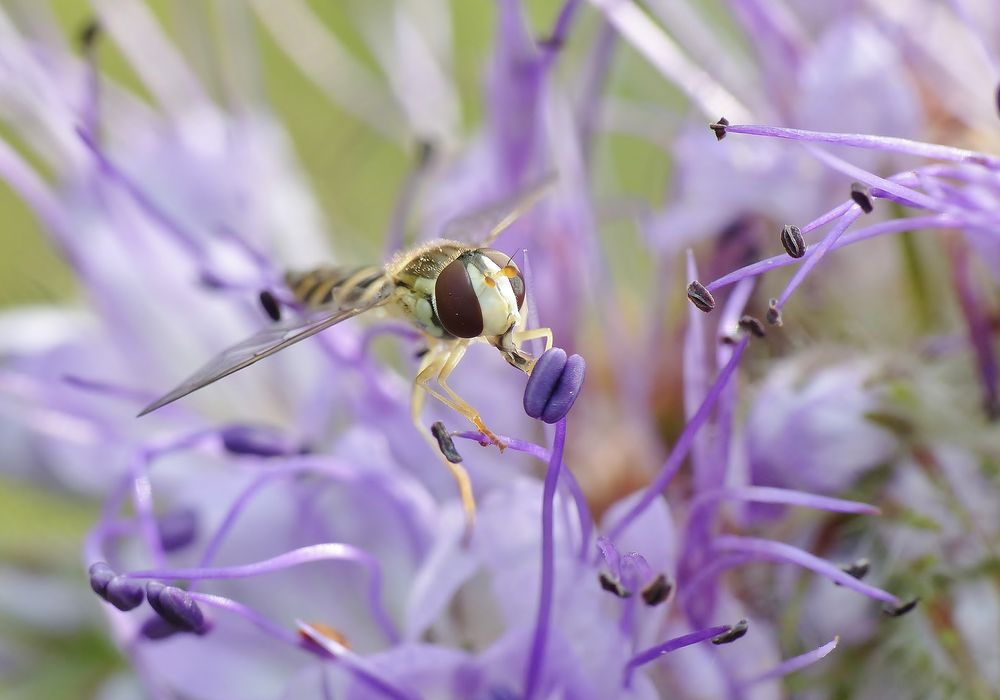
[(415, 276)]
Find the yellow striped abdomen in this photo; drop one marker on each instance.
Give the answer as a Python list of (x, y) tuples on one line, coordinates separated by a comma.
[(334, 286)]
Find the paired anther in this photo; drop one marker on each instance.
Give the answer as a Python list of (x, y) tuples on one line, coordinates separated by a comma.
[(700, 296), (445, 443), (656, 591), (612, 586), (857, 569), (719, 128), (773, 315), (177, 607), (900, 610), (862, 196), (121, 592), (90, 33), (792, 241), (732, 634), (178, 528), (257, 441), (554, 385), (752, 325)]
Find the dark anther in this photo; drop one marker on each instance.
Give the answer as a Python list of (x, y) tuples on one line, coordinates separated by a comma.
[(420, 353), (445, 443), (732, 634), (100, 576), (656, 591), (156, 628), (858, 569), (178, 528), (554, 385), (257, 441), (552, 43), (498, 692), (612, 586), (327, 632), (773, 315), (425, 152), (177, 607), (900, 610), (791, 239), (862, 196), (270, 305), (700, 296), (753, 326), (719, 128), (88, 35), (121, 592)]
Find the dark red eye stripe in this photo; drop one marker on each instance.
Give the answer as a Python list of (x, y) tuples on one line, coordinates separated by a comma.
[(456, 302)]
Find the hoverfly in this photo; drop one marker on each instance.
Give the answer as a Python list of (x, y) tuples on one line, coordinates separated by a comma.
[(453, 292)]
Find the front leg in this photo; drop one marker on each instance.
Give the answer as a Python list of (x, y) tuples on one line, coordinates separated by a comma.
[(523, 336), (430, 366), (457, 402)]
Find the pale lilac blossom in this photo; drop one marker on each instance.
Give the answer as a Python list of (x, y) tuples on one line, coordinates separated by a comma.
[(287, 534)]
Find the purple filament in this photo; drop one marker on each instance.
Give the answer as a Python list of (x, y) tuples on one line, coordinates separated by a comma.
[(239, 504), (796, 663), (683, 444), (768, 550), (655, 652), (904, 194), (536, 655), (896, 226), (978, 323), (351, 662), (816, 253), (355, 664), (875, 143), (789, 497), (183, 237), (330, 551), (565, 475)]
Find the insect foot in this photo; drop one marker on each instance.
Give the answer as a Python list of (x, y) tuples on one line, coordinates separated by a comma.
[(554, 384)]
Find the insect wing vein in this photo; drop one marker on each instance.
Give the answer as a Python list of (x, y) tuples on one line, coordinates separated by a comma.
[(264, 343), (489, 222)]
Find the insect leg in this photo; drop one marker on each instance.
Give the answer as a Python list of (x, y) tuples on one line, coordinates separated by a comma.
[(430, 366), (457, 402), (534, 334)]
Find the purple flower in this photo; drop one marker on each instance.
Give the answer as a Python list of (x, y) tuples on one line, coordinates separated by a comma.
[(814, 427)]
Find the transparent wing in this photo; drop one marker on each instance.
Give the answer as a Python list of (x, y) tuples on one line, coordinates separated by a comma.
[(496, 217), (267, 342)]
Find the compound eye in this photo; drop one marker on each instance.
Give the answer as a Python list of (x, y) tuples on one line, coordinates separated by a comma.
[(456, 302), (510, 271)]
